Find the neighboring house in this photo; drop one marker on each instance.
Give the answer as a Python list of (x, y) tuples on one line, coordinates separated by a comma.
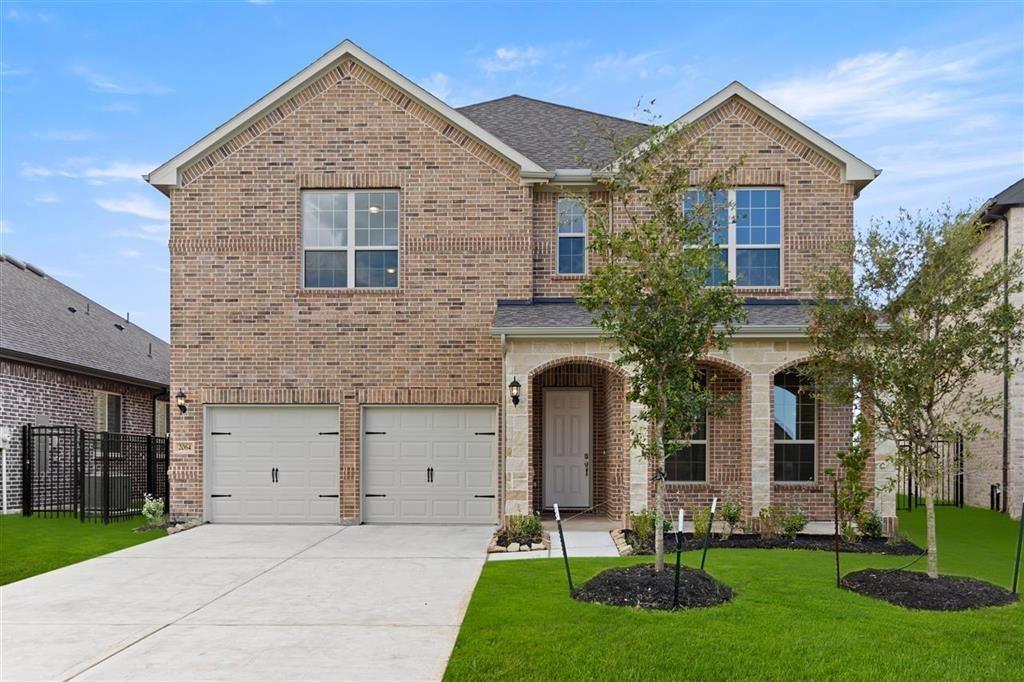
[(67, 361), (995, 460), (360, 273)]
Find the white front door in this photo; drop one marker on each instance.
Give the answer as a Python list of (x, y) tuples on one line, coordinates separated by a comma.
[(567, 447)]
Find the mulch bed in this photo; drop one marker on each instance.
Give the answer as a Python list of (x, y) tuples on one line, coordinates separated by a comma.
[(916, 590), (819, 542), (640, 587)]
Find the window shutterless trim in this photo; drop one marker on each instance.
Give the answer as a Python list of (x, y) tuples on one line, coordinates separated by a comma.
[(572, 235), (812, 443)]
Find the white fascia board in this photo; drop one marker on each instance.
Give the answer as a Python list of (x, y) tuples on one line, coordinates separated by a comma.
[(745, 332), (167, 174), (855, 170)]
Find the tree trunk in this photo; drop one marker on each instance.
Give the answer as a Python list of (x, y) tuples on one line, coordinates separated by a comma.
[(929, 511), (659, 499)]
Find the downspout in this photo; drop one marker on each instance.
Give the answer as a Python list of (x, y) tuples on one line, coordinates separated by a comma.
[(992, 217)]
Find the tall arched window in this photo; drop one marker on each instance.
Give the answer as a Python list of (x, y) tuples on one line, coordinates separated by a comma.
[(795, 428)]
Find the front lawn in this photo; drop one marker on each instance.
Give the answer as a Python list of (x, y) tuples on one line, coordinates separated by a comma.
[(30, 545), (788, 620)]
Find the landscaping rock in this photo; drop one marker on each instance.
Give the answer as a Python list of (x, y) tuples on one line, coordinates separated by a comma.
[(514, 547), (640, 587), (916, 590), (537, 546)]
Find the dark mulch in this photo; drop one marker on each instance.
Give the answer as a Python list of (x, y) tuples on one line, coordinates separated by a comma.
[(640, 587), (818, 542), (916, 590)]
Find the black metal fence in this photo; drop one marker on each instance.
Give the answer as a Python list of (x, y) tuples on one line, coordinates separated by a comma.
[(96, 476), (950, 491)]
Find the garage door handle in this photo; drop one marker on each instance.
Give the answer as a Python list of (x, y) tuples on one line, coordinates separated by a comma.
[(220, 433), (220, 496), (328, 496), (376, 433), (373, 495), (488, 496), (328, 433), (484, 433)]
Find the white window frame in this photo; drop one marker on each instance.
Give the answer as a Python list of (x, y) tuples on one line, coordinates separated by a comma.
[(571, 235), (707, 455), (106, 411), (731, 247), (350, 247), (813, 443)]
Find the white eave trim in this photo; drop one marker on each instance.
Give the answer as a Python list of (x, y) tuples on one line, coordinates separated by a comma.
[(167, 174), (855, 170), (745, 332)]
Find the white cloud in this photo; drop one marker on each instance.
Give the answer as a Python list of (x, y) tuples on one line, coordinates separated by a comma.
[(507, 59), (9, 71), (154, 233), (5, 227), (134, 204), (439, 84), (642, 65), (102, 82), (33, 17), (46, 198), (119, 170), (85, 168), (129, 253), (120, 108), (65, 135), (260, 2)]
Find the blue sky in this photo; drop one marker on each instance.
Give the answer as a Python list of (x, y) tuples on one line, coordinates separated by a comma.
[(93, 95)]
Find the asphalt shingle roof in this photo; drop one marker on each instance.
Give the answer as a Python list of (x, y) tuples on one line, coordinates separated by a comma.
[(1011, 196), (541, 313), (553, 135), (36, 321)]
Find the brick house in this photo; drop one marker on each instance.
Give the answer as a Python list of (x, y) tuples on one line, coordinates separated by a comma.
[(359, 274), (65, 360), (996, 456)]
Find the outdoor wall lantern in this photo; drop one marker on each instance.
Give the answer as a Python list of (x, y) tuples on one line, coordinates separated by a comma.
[(179, 400), (513, 391)]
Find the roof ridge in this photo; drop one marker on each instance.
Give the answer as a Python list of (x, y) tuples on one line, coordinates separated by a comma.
[(554, 104)]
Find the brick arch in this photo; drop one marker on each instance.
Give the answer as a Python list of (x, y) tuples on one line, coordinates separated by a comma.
[(610, 432), (716, 361), (789, 365)]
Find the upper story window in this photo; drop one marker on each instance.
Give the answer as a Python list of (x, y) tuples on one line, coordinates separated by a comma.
[(350, 239), (795, 425), (572, 236), (748, 227)]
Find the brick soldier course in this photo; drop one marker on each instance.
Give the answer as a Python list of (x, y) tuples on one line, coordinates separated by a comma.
[(477, 249)]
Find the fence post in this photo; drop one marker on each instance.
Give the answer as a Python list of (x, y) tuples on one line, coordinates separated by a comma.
[(105, 454), (26, 470), (167, 476), (149, 465), (80, 463)]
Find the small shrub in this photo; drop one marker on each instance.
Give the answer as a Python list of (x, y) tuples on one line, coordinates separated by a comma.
[(769, 521), (793, 522), (870, 525), (701, 522), (848, 532), (153, 510), (644, 522), (732, 515), (521, 528)]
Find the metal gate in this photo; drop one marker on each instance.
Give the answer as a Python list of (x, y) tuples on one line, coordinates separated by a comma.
[(950, 492), (96, 476)]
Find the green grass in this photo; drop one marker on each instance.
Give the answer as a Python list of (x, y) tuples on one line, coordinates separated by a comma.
[(30, 545), (788, 620)]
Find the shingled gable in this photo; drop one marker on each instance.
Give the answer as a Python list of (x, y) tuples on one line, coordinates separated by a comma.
[(168, 175)]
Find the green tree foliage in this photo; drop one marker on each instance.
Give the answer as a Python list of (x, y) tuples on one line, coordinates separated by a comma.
[(921, 320)]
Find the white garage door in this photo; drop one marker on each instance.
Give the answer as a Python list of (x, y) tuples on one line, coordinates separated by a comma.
[(429, 465), (272, 464)]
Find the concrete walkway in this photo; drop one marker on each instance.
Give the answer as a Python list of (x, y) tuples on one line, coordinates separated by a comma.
[(584, 537), (252, 603)]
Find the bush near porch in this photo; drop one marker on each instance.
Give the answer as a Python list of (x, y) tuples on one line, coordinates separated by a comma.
[(788, 620), (30, 545)]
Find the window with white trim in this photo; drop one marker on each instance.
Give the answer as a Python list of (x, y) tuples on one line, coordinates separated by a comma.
[(350, 239), (572, 236), (106, 412), (687, 458), (795, 428), (748, 227)]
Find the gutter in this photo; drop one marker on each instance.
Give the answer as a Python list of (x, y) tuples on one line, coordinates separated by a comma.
[(748, 332), (27, 358)]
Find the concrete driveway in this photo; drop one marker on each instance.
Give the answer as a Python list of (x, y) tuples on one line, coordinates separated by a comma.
[(250, 602)]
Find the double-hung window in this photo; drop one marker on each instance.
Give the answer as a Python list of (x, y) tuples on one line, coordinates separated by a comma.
[(748, 227), (794, 428), (572, 236), (350, 239), (107, 412), (687, 458)]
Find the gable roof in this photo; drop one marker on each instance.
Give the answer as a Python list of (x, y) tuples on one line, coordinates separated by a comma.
[(167, 174), (1008, 198), (554, 135), (855, 170), (38, 325)]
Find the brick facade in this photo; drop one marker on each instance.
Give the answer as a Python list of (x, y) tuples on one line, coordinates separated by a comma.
[(32, 394), (243, 330)]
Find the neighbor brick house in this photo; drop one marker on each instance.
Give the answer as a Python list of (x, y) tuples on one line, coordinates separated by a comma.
[(65, 360), (996, 456), (359, 274)]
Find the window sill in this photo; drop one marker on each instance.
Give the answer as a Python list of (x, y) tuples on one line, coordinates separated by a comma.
[(808, 486), (345, 291), (575, 278), (689, 484)]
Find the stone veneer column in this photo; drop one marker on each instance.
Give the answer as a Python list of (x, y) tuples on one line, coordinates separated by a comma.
[(639, 477), (761, 424)]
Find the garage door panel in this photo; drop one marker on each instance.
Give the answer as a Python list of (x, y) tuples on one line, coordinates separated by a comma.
[(299, 442), (442, 438)]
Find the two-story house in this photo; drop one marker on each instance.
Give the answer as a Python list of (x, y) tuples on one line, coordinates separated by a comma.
[(372, 316)]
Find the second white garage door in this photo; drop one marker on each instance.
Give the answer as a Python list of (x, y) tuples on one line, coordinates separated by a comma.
[(429, 464)]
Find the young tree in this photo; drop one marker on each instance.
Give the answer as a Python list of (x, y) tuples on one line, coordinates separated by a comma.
[(911, 333), (649, 290)]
